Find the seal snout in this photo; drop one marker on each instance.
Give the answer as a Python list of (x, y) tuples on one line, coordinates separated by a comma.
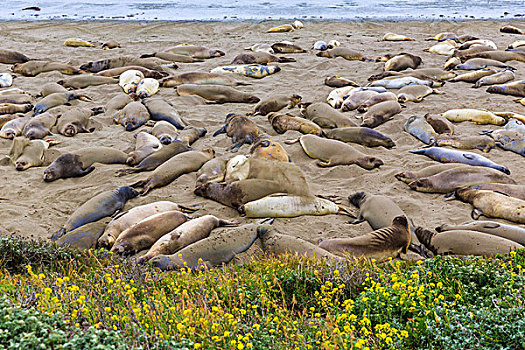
[(356, 198), (165, 139), (162, 262)]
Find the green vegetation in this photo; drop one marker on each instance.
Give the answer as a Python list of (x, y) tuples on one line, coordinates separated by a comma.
[(54, 298)]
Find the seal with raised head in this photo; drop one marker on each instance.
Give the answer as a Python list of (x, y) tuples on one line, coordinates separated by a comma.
[(161, 110), (147, 87), (132, 116), (275, 104), (493, 204), (511, 232), (40, 126), (74, 121), (202, 78), (80, 162), (266, 148), (284, 122), (241, 129), (217, 93), (33, 68), (363, 136), (58, 99), (325, 116), (333, 152), (145, 144), (380, 113)]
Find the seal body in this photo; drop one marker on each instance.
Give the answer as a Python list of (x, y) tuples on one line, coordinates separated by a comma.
[(509, 140), (84, 237), (364, 136), (266, 148), (275, 104), (440, 124), (409, 176), (74, 121), (493, 204), (216, 93), (346, 53), (83, 81), (325, 116), (196, 51), (380, 113), (516, 88), (33, 68), (200, 78), (483, 143), (403, 61), (241, 129), (10, 57), (164, 131), (511, 232), (418, 127), (132, 116), (58, 99), (473, 115), (212, 171), (25, 153), (130, 79), (40, 126), (147, 87), (161, 110), (284, 122), (145, 145), (14, 127)]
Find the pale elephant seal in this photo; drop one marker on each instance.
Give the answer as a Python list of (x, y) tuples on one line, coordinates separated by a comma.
[(40, 126), (516, 88), (474, 76), (176, 166), (357, 99), (147, 87), (275, 104), (325, 116), (418, 127), (166, 132), (266, 148), (80, 163), (212, 171), (58, 99), (10, 57), (83, 81), (513, 125), (217, 93), (475, 116), (498, 78), (145, 144), (129, 80), (380, 113), (14, 127), (511, 190), (33, 68), (132, 116), (415, 93), (111, 44), (161, 110), (381, 244), (84, 237), (129, 218), (201, 78), (25, 153), (146, 232), (241, 129), (74, 121), (346, 53), (284, 122), (103, 204), (364, 136), (402, 61), (186, 234), (333, 152), (395, 37), (511, 232), (465, 242), (493, 204), (196, 51)]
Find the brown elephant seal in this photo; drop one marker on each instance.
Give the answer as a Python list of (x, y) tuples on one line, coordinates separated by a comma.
[(372, 101), (402, 61), (33, 68), (241, 129), (145, 144), (333, 152), (266, 148), (356, 99), (415, 93), (4, 119), (172, 57), (200, 78), (132, 116), (493, 204), (465, 242), (129, 218), (346, 53), (12, 108), (14, 127), (117, 103), (122, 61), (511, 190), (84, 237), (481, 142), (190, 134), (162, 110), (377, 210), (51, 88), (165, 132), (284, 122), (275, 104), (511, 29), (10, 57), (337, 81), (212, 171), (363, 136), (217, 93), (40, 126), (259, 58), (440, 124), (516, 88), (215, 250), (84, 81), (409, 176), (17, 99), (80, 162), (498, 55), (186, 234), (380, 244), (452, 179), (58, 99), (195, 51), (474, 76), (104, 204), (498, 78), (74, 121), (511, 232), (111, 44), (380, 113), (116, 72), (25, 153), (287, 47), (325, 116), (176, 166), (146, 232)]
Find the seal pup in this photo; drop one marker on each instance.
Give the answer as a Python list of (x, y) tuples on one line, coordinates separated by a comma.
[(103, 204), (346, 53), (363, 136), (111, 44), (58, 99), (80, 162), (415, 93), (284, 122), (380, 113), (275, 104), (511, 232), (132, 116), (325, 116), (465, 242), (511, 29), (217, 93), (240, 128), (74, 121), (33, 68), (25, 153), (516, 88), (286, 27), (381, 244), (84, 81), (165, 132), (129, 80), (201, 78), (40, 126), (333, 152), (161, 110), (77, 43), (395, 37), (147, 87), (493, 204), (474, 76), (145, 144)]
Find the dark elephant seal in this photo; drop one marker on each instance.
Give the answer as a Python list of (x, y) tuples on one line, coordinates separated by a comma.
[(122, 61), (440, 124), (325, 116), (10, 57), (364, 136), (275, 104), (132, 116), (402, 61), (84, 237), (217, 93), (511, 232), (161, 110), (103, 204), (241, 129)]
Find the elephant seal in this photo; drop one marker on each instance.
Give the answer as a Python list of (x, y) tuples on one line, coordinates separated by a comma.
[(380, 244), (287, 47), (418, 127), (465, 242), (215, 250), (493, 204), (129, 80), (122, 61), (14, 127), (25, 153), (516, 88), (372, 101), (284, 122), (84, 237), (474, 76), (217, 93), (176, 166), (508, 189), (415, 93), (166, 132), (440, 124), (511, 29), (498, 78), (259, 58), (12, 108), (103, 204), (111, 44), (357, 99), (480, 63), (452, 179), (190, 134), (147, 87), (117, 103), (129, 218), (33, 68), (475, 116), (256, 71), (452, 156), (58, 99), (364, 136), (195, 51), (481, 142), (333, 152), (498, 55), (145, 144), (4, 119), (80, 162), (10, 57), (260, 48), (74, 121), (40, 126), (380, 113), (513, 125), (147, 73), (132, 116), (51, 88), (402, 61), (200, 78), (266, 148), (172, 57), (275, 104), (409, 176), (377, 210), (395, 37), (325, 116), (508, 140), (159, 109), (146, 232), (186, 234), (212, 171), (83, 81), (241, 129), (511, 232), (346, 53), (337, 81)]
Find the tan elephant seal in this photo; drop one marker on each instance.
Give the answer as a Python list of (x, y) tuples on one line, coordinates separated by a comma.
[(380, 244), (357, 99), (10, 57), (51, 88), (325, 116), (481, 142), (196, 51), (509, 189), (58, 99), (409, 176), (493, 204), (402, 61), (337, 81), (165, 132), (84, 81), (275, 104), (516, 88), (346, 53), (217, 93), (266, 148), (117, 103), (364, 136), (333, 152), (200, 78), (84, 237), (25, 153), (372, 101), (380, 113), (190, 134), (14, 127), (111, 44), (145, 144), (511, 232), (281, 123), (122, 61), (147, 73), (33, 68), (172, 57), (12, 108), (74, 121), (132, 116), (259, 58), (498, 78), (240, 128), (40, 126), (212, 171), (474, 76)]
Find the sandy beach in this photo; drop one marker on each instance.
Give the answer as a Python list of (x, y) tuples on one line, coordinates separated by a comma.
[(32, 208)]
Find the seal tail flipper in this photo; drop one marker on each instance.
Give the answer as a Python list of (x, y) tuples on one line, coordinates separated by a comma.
[(58, 234), (425, 236), (359, 220), (140, 183), (267, 221), (124, 172), (189, 208), (220, 131), (417, 151), (236, 147), (148, 55), (289, 142), (476, 213), (344, 211), (228, 223)]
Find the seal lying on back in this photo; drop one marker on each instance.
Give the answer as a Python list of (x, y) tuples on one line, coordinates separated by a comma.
[(217, 93), (200, 78), (132, 116), (103, 204), (381, 244), (511, 232), (145, 144), (333, 152), (241, 129), (284, 122), (493, 204)]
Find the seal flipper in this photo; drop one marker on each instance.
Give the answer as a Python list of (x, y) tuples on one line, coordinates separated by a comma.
[(86, 171), (476, 213), (58, 234), (220, 131), (359, 220), (236, 147), (425, 237)]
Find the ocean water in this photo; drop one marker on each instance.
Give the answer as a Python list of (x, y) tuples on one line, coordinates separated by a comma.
[(205, 10)]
